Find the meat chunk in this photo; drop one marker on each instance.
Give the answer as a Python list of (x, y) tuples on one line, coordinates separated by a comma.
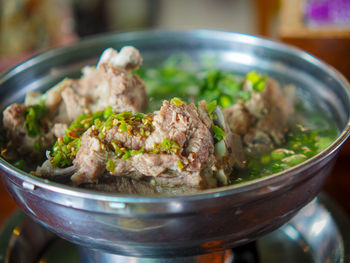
[(75, 104), (17, 133), (122, 185), (263, 120), (179, 124), (178, 149), (117, 87), (239, 118), (110, 84), (13, 118)]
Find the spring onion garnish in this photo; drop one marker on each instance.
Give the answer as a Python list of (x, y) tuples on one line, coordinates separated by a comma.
[(258, 81), (110, 166), (32, 118), (180, 164), (211, 106), (177, 101), (218, 132)]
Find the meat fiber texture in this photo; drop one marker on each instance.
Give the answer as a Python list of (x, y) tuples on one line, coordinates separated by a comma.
[(184, 125), (196, 165), (109, 83), (263, 120)]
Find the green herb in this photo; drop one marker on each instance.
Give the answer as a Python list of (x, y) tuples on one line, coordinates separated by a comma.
[(301, 144), (170, 146), (180, 164), (37, 146), (243, 95), (258, 82), (110, 166), (33, 115), (19, 164), (265, 159), (218, 132), (123, 127), (122, 152), (177, 101), (136, 152), (253, 77), (225, 100), (65, 149), (126, 154), (107, 112), (211, 107), (180, 77), (140, 115)]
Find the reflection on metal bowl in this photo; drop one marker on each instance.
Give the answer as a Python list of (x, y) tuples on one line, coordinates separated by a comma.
[(184, 225)]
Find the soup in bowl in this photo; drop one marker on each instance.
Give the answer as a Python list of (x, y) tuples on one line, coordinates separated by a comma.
[(224, 152)]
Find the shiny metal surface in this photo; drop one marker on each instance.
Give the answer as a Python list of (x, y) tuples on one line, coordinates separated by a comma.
[(320, 233), (165, 226), (93, 256)]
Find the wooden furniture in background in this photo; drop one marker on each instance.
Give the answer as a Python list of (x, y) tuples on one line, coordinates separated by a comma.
[(329, 43), (332, 45)]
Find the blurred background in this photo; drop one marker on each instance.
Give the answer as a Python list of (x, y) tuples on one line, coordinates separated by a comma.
[(320, 27)]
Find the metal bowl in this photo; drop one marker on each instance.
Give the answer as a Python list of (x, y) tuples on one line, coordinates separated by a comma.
[(183, 225)]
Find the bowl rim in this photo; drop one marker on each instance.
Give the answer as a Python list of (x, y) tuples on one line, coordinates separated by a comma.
[(208, 193)]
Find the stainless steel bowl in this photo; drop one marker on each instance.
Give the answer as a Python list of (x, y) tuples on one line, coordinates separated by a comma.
[(185, 225)]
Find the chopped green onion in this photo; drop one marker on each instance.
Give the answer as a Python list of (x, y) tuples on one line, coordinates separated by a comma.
[(37, 146), (139, 115), (107, 112), (32, 118), (110, 166), (211, 106), (258, 82), (260, 86), (253, 77), (218, 132), (225, 101), (123, 127), (244, 95), (178, 102), (180, 164), (126, 154), (265, 159), (19, 164)]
